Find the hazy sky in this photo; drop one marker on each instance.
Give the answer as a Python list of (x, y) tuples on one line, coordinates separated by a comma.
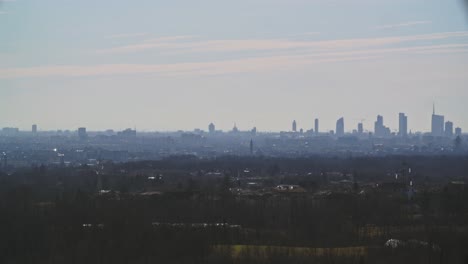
[(181, 64)]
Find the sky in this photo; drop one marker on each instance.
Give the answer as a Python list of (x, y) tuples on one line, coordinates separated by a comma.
[(181, 64)]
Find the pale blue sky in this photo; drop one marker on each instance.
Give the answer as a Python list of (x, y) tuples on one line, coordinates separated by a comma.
[(180, 64)]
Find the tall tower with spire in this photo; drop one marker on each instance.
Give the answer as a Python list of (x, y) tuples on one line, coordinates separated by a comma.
[(235, 129), (437, 124)]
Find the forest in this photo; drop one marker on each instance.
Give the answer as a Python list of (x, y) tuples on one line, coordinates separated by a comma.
[(229, 209)]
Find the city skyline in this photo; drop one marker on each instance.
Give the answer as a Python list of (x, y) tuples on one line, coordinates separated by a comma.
[(438, 127)]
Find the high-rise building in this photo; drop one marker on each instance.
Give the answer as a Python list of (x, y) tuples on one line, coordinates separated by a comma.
[(449, 129), (316, 127), (235, 129), (211, 128), (251, 147), (378, 125), (360, 128), (34, 129), (254, 131), (82, 133), (294, 126), (437, 124), (402, 125), (458, 131), (340, 127), (379, 129)]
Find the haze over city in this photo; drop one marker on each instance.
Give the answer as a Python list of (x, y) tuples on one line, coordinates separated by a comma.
[(180, 65)]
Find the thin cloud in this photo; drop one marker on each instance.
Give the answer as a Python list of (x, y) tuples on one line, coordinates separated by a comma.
[(242, 65), (174, 45), (405, 24), (306, 34), (160, 42), (130, 35), (176, 69), (170, 38)]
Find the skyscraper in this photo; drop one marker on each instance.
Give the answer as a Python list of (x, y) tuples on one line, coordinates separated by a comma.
[(340, 127), (211, 128), (448, 129), (254, 131), (379, 129), (403, 125), (294, 126), (378, 126), (34, 129), (316, 126), (437, 124), (235, 129), (82, 133), (458, 131), (360, 128)]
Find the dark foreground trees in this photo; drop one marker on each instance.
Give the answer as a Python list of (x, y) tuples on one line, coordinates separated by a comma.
[(58, 215)]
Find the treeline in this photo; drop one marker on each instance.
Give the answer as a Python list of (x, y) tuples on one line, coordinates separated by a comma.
[(370, 168), (59, 215)]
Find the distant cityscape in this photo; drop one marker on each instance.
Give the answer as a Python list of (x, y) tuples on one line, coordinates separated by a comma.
[(72, 148), (439, 128)]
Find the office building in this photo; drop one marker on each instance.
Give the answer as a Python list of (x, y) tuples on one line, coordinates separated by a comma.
[(82, 133), (316, 127), (437, 124), (378, 125), (458, 131), (449, 129), (34, 129), (211, 128), (402, 125), (294, 126), (254, 131), (360, 128), (379, 129), (340, 127)]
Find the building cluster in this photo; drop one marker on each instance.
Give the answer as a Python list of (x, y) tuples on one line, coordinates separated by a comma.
[(439, 128), (64, 148)]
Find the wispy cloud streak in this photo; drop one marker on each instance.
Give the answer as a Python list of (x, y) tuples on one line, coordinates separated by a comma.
[(242, 65), (174, 45), (405, 24), (131, 35)]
